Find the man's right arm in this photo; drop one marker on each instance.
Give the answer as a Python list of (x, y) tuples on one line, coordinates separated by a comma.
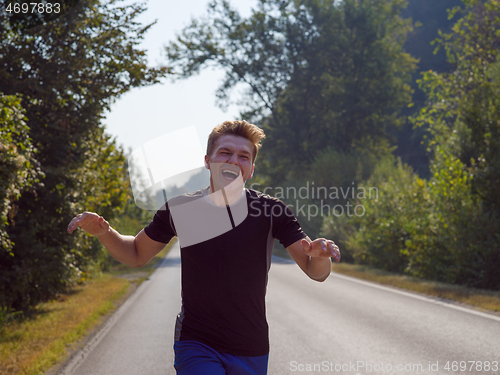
[(132, 251)]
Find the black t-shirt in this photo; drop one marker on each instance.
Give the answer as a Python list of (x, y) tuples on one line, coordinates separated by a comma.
[(225, 258)]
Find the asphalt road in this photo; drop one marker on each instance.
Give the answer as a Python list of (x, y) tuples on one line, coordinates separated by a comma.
[(341, 326)]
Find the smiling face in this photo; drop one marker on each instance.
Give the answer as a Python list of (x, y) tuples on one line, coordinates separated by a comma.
[(230, 162)]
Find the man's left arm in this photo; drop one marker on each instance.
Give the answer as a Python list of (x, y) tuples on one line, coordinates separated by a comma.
[(313, 257)]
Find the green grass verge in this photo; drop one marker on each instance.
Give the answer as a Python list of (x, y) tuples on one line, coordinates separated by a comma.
[(58, 348), (476, 298), (32, 344)]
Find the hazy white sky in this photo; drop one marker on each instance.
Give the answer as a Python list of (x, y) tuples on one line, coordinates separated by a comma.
[(144, 114)]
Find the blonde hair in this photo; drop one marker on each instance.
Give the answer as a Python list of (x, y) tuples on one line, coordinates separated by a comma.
[(240, 128)]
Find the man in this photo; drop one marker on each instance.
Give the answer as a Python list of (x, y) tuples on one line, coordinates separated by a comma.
[(226, 234)]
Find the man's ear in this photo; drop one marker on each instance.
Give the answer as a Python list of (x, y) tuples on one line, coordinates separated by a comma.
[(251, 172), (207, 162)]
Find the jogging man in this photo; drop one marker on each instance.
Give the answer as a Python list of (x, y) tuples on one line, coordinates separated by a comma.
[(226, 234)]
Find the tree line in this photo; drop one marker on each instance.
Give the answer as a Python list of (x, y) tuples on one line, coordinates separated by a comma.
[(344, 103), (446, 227), (56, 81)]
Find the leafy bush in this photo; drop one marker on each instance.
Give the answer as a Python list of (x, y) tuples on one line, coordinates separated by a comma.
[(18, 171), (446, 228), (378, 237), (67, 72), (432, 229)]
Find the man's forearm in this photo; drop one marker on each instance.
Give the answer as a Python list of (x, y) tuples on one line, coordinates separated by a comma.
[(121, 247), (319, 268)]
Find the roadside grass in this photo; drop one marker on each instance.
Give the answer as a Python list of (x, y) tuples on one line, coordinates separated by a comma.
[(478, 298), (31, 344)]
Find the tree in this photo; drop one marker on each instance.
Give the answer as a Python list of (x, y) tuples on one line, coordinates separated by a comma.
[(68, 71), (447, 228), (463, 106), (318, 74), (429, 17), (18, 165), (463, 117), (379, 236)]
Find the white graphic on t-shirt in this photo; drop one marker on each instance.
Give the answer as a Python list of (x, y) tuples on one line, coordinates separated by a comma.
[(196, 219)]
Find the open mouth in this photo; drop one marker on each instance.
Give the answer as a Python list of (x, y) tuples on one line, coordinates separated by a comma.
[(229, 174)]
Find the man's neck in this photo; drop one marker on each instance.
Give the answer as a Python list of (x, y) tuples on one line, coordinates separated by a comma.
[(224, 196)]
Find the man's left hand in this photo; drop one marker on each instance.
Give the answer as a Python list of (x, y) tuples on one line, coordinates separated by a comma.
[(321, 247)]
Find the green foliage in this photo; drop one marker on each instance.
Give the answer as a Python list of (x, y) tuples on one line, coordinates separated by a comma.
[(18, 166), (378, 236), (464, 119), (432, 16), (429, 17), (352, 81), (326, 81), (432, 248), (447, 228), (68, 71), (413, 224), (318, 74), (463, 112), (434, 229)]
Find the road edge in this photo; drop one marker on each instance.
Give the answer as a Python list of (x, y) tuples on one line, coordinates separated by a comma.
[(88, 344)]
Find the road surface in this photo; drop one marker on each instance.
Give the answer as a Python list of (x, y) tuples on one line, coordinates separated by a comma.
[(341, 326)]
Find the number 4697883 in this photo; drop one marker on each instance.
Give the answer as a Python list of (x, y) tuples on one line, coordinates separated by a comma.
[(34, 8), (485, 366)]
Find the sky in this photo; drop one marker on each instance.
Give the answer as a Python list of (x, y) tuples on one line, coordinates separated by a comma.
[(143, 115)]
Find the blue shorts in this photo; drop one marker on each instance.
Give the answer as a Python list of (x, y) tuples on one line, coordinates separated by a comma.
[(195, 358)]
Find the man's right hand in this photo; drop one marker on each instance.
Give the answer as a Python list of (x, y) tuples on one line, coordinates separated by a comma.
[(90, 222), (134, 251)]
